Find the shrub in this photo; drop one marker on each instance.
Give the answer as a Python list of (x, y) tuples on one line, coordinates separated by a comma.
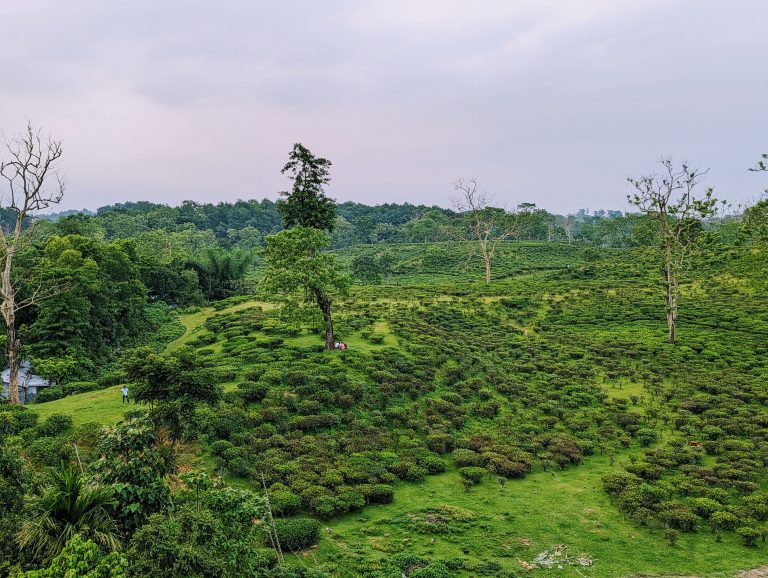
[(671, 536), (433, 570), (252, 391), (723, 520), (705, 507), (647, 436), (80, 387), (57, 423), (284, 502), (473, 475), (678, 516), (464, 457), (432, 463), (757, 505), (264, 558), (440, 443), (565, 450), (749, 535), (49, 394), (111, 378), (297, 533), (51, 451), (380, 494), (15, 418)]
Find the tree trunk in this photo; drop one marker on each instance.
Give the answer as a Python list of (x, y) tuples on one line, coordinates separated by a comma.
[(325, 306), (14, 364), (487, 259), (13, 346), (671, 300)]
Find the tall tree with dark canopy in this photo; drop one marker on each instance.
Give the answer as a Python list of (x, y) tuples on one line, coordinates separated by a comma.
[(669, 199), (294, 255), (306, 204), (30, 166)]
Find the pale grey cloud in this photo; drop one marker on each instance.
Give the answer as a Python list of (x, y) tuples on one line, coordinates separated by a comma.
[(549, 101)]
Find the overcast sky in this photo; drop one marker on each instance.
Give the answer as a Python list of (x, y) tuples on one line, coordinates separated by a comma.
[(548, 101)]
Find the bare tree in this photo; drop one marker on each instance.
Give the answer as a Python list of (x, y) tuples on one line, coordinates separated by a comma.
[(486, 224), (567, 224), (668, 198), (26, 173)]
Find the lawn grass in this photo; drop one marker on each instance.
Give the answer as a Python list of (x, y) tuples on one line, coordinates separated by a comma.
[(526, 517), (104, 407)]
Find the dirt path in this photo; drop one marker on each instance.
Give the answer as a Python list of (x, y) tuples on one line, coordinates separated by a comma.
[(755, 573)]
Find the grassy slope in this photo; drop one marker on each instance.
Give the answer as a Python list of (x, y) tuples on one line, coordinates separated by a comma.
[(527, 517), (105, 407)]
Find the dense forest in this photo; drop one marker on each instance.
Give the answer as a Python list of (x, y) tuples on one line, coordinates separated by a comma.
[(317, 389)]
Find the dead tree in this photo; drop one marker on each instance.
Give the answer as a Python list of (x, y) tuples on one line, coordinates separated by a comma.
[(567, 224), (27, 171), (668, 198), (486, 224)]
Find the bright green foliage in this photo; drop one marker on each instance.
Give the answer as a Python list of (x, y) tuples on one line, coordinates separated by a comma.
[(14, 481), (371, 268), (298, 270), (220, 273), (749, 534), (473, 475), (306, 204), (297, 267), (97, 301), (70, 504), (220, 539), (172, 383), (132, 462), (56, 369), (163, 261), (82, 559), (755, 222), (297, 534)]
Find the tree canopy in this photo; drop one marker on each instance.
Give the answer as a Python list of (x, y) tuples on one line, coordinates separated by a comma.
[(306, 204)]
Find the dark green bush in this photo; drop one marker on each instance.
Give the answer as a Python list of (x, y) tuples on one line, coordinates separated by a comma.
[(49, 394), (646, 436), (749, 535), (51, 451), (297, 533), (464, 457), (472, 474), (15, 418), (55, 424)]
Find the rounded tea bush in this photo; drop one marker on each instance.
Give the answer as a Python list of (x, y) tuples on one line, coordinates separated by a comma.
[(749, 535), (57, 423), (297, 533), (473, 475)]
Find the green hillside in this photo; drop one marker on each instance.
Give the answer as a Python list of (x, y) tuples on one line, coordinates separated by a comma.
[(552, 391)]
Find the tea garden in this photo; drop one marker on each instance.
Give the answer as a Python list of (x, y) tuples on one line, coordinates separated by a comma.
[(466, 429)]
